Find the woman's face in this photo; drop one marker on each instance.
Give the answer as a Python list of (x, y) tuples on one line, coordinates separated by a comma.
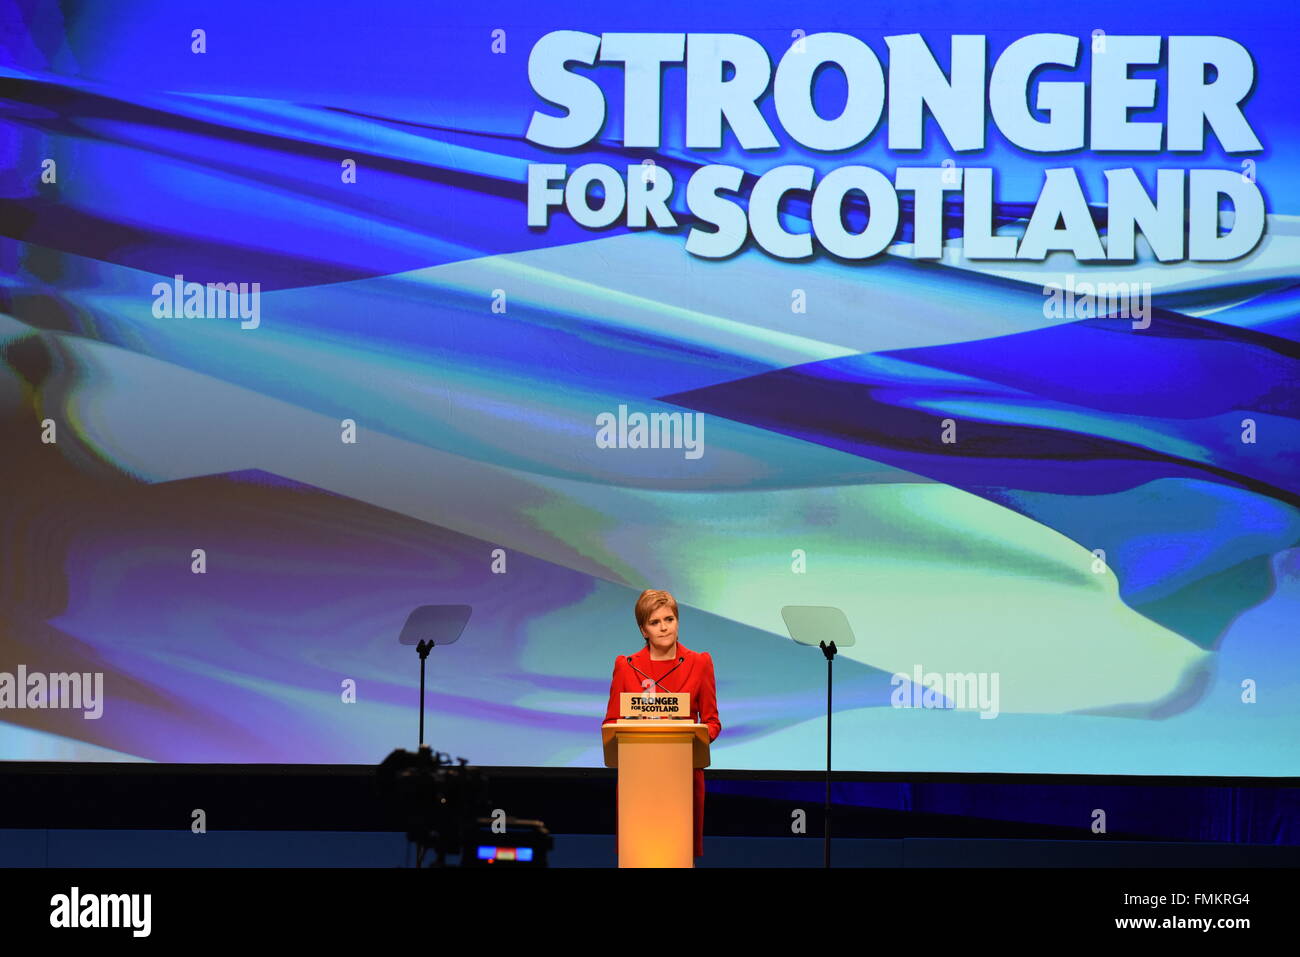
[(661, 629)]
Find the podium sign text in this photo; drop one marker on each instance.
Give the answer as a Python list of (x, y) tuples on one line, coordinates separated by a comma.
[(643, 704)]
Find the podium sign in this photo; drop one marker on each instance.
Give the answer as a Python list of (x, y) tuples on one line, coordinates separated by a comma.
[(643, 704)]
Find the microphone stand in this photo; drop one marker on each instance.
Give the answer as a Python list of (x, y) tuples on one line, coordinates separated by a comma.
[(829, 651)]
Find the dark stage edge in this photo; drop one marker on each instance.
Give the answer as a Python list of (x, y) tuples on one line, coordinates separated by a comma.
[(179, 848), (1209, 812)]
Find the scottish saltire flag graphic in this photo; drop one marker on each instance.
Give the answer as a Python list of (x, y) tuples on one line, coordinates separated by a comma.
[(282, 358)]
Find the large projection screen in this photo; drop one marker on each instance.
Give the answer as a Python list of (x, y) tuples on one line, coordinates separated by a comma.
[(978, 324)]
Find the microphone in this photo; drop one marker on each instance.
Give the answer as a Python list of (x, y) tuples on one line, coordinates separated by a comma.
[(680, 659)]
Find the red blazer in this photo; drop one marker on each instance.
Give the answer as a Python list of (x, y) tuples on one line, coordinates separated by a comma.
[(695, 678)]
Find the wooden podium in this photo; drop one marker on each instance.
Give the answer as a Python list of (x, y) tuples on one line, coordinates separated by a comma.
[(656, 791)]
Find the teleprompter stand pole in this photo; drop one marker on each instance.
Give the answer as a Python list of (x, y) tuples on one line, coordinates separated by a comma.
[(423, 648), (829, 652)]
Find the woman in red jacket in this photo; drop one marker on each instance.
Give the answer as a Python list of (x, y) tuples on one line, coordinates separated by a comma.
[(664, 665)]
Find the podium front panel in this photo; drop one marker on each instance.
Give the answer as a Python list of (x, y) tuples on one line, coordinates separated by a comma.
[(656, 818)]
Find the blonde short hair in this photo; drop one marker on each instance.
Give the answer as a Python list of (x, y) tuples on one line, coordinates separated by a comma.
[(650, 600)]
